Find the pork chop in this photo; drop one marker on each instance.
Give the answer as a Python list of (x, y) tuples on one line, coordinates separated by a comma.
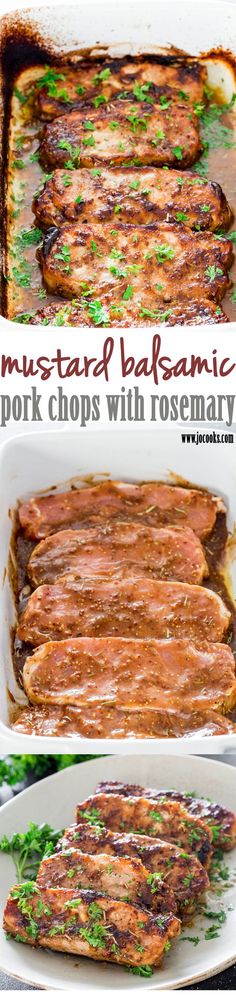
[(163, 819), (124, 132), (89, 924), (69, 721), (138, 196), (126, 549), (92, 312), (142, 265), (121, 877), (153, 504), (222, 822), (181, 871), (95, 82), (134, 675), (141, 608)]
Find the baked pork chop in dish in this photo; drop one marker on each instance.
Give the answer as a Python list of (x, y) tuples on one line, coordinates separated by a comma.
[(124, 132), (59, 88), (81, 312), (141, 194), (151, 262)]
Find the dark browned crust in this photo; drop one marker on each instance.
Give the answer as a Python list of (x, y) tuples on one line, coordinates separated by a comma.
[(220, 819)]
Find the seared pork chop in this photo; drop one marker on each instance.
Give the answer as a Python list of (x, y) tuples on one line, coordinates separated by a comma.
[(151, 503), (123, 548), (184, 874), (61, 87), (222, 822), (89, 924), (120, 877), (141, 608), (141, 194), (134, 675), (126, 132), (136, 264), (92, 312), (163, 819)]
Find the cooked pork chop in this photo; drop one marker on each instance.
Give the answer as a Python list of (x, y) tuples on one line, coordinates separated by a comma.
[(123, 548), (142, 195), (132, 674), (184, 874), (61, 87), (127, 132), (121, 877), (153, 504), (114, 723), (141, 265), (166, 820), (141, 608), (222, 822), (92, 312), (89, 924)]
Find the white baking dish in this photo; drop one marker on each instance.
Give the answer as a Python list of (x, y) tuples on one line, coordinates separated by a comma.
[(194, 26), (32, 463)]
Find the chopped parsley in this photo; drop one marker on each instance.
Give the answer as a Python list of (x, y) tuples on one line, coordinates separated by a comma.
[(181, 216), (140, 91), (100, 99), (20, 96), (64, 256), (178, 151), (212, 272), (74, 154), (137, 122), (89, 141), (92, 815), (157, 315), (102, 76), (163, 252), (192, 939), (145, 971), (128, 293), (164, 102), (160, 135)]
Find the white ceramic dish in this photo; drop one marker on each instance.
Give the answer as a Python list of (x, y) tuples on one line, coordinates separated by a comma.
[(31, 463), (53, 800), (194, 27)]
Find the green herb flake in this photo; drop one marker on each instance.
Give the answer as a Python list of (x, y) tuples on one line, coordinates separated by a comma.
[(212, 272), (128, 293), (102, 76), (178, 151)]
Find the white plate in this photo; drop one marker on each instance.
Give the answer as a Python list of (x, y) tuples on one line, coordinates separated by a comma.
[(53, 800)]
